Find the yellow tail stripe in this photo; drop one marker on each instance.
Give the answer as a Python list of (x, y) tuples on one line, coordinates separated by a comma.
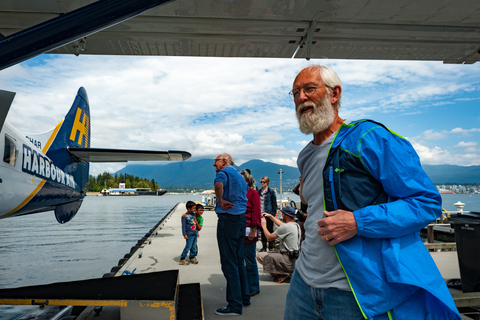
[(52, 137), (27, 199)]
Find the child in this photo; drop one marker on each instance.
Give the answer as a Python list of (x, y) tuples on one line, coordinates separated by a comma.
[(199, 217), (189, 231), (199, 213)]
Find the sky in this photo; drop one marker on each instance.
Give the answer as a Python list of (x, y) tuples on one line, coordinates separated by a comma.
[(208, 106)]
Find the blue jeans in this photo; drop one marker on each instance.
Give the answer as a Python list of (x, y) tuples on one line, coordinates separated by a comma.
[(230, 233), (304, 302), (249, 255), (190, 246)]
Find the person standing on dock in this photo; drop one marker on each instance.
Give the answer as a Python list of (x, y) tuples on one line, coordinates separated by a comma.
[(189, 231), (269, 205), (199, 215), (253, 214), (368, 197), (231, 193)]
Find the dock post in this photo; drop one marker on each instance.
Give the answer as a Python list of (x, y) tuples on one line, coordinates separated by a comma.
[(430, 233)]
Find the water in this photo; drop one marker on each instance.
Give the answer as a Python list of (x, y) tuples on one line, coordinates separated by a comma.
[(472, 201), (36, 250)]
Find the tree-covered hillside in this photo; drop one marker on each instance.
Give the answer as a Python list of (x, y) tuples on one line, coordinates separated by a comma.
[(106, 180)]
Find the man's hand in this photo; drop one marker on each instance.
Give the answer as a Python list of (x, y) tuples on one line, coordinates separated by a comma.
[(264, 222), (225, 204), (337, 226), (266, 215), (252, 234), (186, 237)]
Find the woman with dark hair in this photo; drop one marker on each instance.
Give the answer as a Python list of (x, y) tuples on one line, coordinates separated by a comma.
[(268, 202), (254, 218)]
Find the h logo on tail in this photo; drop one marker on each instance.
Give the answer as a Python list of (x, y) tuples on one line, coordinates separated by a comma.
[(81, 127)]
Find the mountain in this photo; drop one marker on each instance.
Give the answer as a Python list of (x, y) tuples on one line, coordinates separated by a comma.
[(201, 173), (450, 174)]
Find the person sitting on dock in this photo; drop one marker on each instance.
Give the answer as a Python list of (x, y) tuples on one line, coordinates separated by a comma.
[(231, 192), (368, 197), (281, 264), (189, 231)]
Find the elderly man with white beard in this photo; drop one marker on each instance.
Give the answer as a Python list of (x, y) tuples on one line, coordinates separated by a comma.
[(368, 197)]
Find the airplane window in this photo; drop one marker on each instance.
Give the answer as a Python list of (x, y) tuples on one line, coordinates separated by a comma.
[(10, 151)]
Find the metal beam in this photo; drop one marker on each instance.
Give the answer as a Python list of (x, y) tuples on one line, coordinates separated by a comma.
[(306, 40), (69, 27)]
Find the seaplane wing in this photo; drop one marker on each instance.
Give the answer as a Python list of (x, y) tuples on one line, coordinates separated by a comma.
[(446, 30), (122, 155), (50, 171)]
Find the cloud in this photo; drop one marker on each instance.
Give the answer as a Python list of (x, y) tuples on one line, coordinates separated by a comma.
[(436, 155), (465, 132), (211, 105), (463, 144), (433, 135)]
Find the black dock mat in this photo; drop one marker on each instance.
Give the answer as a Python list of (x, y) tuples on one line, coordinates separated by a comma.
[(148, 286), (189, 305)]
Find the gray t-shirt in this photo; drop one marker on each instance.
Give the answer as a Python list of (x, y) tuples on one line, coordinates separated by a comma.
[(318, 264), (290, 234)]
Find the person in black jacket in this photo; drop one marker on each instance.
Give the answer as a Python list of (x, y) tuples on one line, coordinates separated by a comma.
[(301, 214), (268, 202)]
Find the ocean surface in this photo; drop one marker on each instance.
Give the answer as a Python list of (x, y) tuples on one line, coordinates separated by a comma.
[(36, 249)]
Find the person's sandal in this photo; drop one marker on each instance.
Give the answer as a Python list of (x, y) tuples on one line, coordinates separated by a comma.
[(281, 279)]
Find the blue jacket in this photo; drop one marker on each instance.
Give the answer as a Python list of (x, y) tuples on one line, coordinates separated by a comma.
[(270, 201), (377, 175)]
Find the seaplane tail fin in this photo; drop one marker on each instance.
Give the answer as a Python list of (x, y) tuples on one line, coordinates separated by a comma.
[(73, 131)]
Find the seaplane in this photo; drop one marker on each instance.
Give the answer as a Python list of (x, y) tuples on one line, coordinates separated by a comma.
[(49, 171)]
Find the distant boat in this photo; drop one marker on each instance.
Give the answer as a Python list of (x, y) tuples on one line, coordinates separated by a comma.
[(443, 191), (132, 192), (151, 193), (119, 192)]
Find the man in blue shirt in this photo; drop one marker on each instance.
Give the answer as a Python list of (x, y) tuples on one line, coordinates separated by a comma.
[(231, 192)]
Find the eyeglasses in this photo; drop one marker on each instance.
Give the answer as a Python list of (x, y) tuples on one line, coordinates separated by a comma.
[(262, 182), (220, 159), (308, 90)]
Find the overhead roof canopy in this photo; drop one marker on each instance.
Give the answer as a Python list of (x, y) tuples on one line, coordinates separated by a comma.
[(447, 30)]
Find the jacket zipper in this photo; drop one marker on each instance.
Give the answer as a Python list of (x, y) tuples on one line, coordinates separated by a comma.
[(332, 186), (334, 199)]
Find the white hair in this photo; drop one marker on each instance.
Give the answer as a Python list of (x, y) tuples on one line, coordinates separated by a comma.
[(248, 177), (329, 77), (228, 158)]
